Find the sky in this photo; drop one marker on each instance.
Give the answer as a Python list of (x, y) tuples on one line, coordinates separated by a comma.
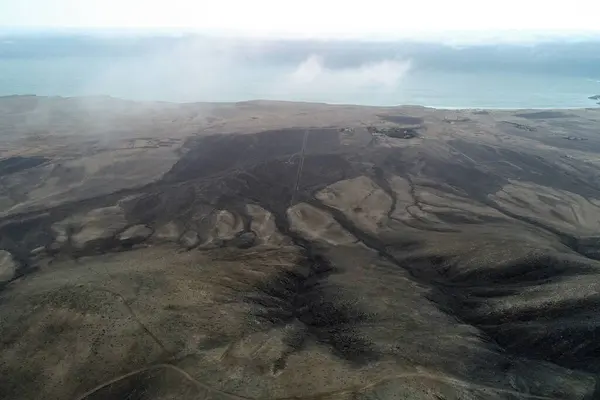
[(331, 19)]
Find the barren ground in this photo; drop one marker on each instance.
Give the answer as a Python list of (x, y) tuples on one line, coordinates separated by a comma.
[(271, 250)]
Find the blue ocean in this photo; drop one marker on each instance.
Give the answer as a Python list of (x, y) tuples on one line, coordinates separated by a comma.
[(190, 68)]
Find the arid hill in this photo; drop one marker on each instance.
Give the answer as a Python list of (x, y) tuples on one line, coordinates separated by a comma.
[(268, 250)]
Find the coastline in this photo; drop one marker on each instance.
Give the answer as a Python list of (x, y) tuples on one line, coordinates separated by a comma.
[(291, 102)]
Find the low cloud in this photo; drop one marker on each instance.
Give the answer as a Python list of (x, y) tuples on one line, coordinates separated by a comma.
[(195, 68), (220, 71), (313, 80), (191, 71)]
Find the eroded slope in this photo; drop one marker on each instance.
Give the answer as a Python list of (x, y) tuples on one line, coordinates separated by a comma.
[(323, 261)]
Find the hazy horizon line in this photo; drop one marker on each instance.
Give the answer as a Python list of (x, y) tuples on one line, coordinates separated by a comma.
[(430, 36)]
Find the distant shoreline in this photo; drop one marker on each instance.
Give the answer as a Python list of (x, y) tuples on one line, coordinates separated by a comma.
[(275, 101)]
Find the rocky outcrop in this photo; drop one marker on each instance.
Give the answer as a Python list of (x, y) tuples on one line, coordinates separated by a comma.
[(522, 127), (135, 234), (561, 209), (314, 224), (226, 225), (8, 266), (189, 239), (395, 132), (93, 230), (244, 240), (169, 232), (360, 199), (263, 225)]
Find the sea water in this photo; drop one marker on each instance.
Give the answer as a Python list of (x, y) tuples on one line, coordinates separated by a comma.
[(190, 76)]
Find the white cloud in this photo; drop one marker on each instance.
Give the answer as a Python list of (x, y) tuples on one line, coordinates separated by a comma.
[(215, 71), (313, 80)]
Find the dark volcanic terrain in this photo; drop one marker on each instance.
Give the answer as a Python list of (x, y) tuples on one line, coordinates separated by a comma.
[(267, 250)]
